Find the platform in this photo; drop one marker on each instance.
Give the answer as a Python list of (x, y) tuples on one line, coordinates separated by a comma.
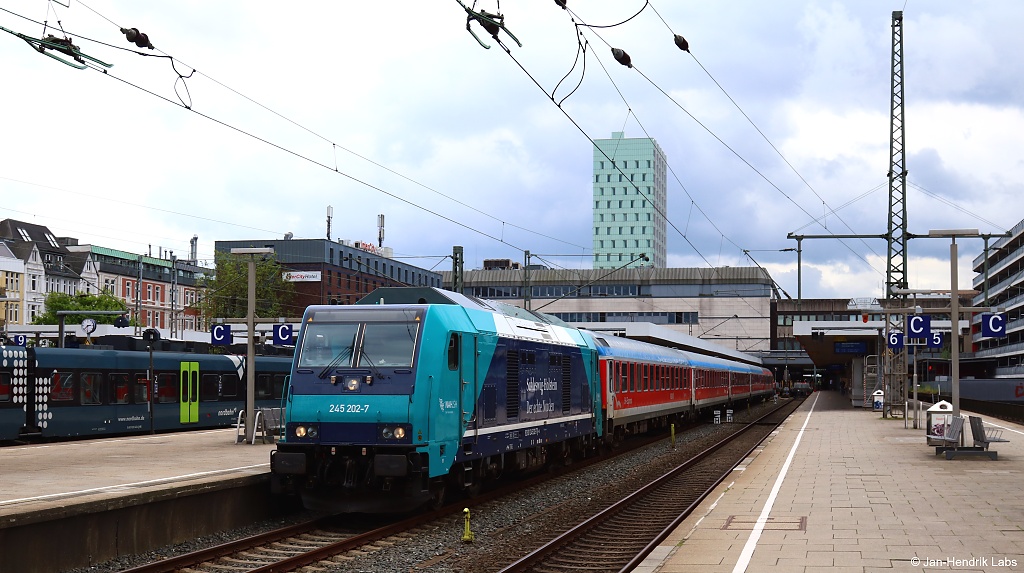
[(103, 498), (37, 477), (839, 489)]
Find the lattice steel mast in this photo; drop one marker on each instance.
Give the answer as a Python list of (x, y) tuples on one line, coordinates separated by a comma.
[(896, 270)]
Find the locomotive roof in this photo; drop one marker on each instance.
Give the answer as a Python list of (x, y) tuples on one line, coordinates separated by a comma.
[(433, 295)]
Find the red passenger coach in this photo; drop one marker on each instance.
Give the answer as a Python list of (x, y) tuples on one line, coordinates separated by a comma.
[(646, 386)]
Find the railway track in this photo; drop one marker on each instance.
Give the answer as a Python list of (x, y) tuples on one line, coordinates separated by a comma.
[(329, 547), (318, 541), (619, 537)]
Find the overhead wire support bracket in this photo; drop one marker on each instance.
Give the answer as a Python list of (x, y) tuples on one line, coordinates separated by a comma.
[(492, 23), (62, 45)]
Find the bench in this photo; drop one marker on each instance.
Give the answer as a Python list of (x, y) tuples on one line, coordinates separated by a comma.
[(950, 437), (984, 437), (951, 442)]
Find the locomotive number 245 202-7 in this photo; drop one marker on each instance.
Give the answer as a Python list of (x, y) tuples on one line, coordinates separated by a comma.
[(349, 408)]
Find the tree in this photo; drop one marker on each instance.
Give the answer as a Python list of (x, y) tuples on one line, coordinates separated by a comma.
[(84, 302), (228, 290)]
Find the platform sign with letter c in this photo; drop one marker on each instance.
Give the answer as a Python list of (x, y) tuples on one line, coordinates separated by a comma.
[(220, 335), (19, 340), (919, 326), (993, 325), (282, 334)]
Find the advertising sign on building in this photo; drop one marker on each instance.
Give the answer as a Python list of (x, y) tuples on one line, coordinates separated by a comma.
[(302, 276)]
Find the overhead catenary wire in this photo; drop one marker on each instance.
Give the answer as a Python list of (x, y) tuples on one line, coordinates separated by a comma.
[(188, 106)]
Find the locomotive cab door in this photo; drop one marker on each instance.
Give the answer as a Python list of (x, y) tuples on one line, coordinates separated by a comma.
[(188, 393), (469, 389)]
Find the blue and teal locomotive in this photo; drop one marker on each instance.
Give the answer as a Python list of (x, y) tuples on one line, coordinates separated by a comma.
[(395, 403)]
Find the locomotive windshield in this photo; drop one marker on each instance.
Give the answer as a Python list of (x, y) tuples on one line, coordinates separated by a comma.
[(328, 344), (360, 338)]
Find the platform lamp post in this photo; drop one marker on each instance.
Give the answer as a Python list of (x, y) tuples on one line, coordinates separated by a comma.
[(954, 308), (250, 323)]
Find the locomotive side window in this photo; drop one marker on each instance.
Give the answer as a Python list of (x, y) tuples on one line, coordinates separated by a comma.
[(5, 387), (62, 387), (453, 352), (166, 388), (209, 388), (120, 391)]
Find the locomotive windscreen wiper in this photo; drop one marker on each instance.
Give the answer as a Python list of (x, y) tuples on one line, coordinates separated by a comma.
[(345, 353)]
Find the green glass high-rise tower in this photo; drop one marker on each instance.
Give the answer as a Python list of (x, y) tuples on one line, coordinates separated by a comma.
[(629, 202)]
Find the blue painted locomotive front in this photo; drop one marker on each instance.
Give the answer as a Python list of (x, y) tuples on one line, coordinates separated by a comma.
[(363, 434), (366, 425)]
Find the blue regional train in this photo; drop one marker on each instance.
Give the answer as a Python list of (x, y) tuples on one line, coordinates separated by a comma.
[(55, 393), (392, 403)]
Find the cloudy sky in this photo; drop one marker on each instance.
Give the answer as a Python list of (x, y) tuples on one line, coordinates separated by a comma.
[(394, 108)]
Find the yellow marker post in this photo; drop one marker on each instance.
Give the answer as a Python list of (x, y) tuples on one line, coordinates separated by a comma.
[(673, 432), (467, 535)]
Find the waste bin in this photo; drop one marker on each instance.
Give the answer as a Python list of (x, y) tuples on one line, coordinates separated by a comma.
[(877, 400), (937, 419)]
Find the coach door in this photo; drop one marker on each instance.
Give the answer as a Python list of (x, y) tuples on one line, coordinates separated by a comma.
[(188, 392)]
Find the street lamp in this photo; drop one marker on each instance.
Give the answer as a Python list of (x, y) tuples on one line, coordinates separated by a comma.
[(250, 323)]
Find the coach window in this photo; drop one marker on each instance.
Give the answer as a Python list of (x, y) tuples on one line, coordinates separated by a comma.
[(62, 388), (279, 382), (5, 387), (453, 352), (120, 389), (89, 390), (209, 387), (228, 386), (263, 386), (141, 389), (167, 388), (632, 376)]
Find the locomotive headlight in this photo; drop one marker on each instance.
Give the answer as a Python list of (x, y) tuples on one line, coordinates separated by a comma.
[(387, 433), (399, 432), (306, 431), (351, 383)]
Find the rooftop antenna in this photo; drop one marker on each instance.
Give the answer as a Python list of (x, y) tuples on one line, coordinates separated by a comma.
[(330, 214), (380, 230)]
